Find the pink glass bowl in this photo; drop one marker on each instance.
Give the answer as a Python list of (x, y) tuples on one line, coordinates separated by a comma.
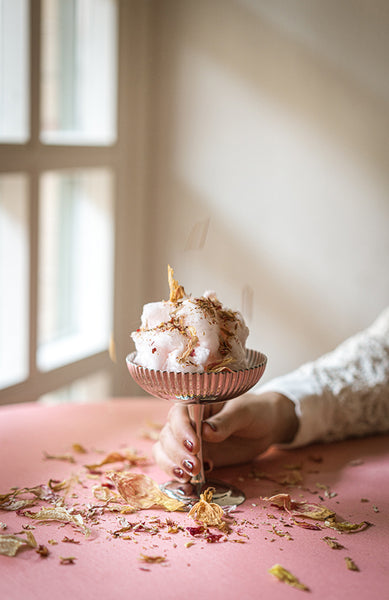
[(199, 388)]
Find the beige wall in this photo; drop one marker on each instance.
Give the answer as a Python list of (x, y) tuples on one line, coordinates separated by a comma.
[(269, 122)]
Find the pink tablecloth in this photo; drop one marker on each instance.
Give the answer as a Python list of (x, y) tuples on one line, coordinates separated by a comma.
[(352, 478)]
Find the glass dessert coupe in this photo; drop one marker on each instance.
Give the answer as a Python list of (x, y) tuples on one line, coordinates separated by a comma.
[(197, 390)]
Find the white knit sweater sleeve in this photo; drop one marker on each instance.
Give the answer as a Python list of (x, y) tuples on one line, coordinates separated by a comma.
[(344, 393)]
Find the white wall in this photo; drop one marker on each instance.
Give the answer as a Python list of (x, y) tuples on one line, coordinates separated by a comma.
[(270, 120)]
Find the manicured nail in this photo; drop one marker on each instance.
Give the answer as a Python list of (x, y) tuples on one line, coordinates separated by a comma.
[(178, 472), (212, 425), (188, 445), (187, 465)]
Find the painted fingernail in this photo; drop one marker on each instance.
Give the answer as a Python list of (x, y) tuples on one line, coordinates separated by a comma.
[(212, 425), (187, 465), (178, 472), (188, 445)]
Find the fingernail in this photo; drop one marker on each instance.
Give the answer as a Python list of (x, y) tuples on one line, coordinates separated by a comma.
[(187, 465), (178, 472), (188, 445), (212, 425)]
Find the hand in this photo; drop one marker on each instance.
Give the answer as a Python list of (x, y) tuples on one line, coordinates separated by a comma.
[(236, 432)]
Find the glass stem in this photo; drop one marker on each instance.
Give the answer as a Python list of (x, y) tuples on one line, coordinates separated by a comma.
[(196, 414)]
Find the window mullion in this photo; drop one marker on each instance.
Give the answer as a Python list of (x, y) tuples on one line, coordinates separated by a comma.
[(33, 314), (35, 43)]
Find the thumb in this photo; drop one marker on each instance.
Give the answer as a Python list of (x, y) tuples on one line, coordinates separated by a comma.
[(231, 419)]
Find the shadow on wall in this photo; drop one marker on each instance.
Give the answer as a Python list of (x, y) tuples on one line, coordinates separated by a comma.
[(323, 71), (322, 62)]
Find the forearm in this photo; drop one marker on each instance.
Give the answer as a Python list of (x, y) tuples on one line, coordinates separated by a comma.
[(344, 393)]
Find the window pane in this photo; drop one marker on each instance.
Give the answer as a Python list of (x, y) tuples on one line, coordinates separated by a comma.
[(75, 265), (95, 388), (79, 64), (14, 71), (14, 279)]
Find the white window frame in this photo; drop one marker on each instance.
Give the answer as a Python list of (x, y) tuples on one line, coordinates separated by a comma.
[(127, 159)]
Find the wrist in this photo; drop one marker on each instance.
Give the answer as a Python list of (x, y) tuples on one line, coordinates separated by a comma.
[(286, 421)]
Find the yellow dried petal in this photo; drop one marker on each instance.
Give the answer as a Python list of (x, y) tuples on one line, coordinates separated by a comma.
[(347, 527), (78, 448), (286, 576), (351, 564), (177, 292), (207, 512), (126, 455), (301, 509), (10, 544), (152, 559), (141, 492), (64, 457), (59, 514)]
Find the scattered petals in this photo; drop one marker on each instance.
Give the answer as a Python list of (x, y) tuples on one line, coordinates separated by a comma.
[(68, 540), (65, 457), (140, 492), (351, 564), (333, 543), (207, 512), (152, 559), (347, 527), (126, 455), (286, 576), (58, 514), (78, 448), (43, 551), (67, 560), (302, 509), (306, 525), (10, 544)]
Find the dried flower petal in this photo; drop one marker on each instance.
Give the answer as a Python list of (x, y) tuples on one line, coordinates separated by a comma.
[(58, 514), (177, 292), (17, 504), (10, 544), (42, 551), (78, 448), (65, 457), (126, 455), (347, 527), (306, 525), (69, 540), (152, 559), (141, 492), (286, 576), (351, 564), (207, 512), (302, 509), (67, 560), (333, 543)]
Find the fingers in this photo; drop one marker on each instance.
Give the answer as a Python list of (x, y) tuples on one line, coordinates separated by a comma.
[(175, 452), (234, 417)]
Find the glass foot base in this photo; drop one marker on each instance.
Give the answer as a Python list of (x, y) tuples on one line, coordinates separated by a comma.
[(224, 494)]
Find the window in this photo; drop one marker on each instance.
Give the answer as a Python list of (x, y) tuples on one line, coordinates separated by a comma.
[(14, 71), (75, 265), (78, 72), (14, 278), (70, 196)]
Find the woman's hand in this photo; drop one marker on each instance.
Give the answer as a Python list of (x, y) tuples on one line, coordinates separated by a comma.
[(236, 432)]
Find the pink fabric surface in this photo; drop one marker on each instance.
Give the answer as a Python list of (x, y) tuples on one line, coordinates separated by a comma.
[(109, 567)]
